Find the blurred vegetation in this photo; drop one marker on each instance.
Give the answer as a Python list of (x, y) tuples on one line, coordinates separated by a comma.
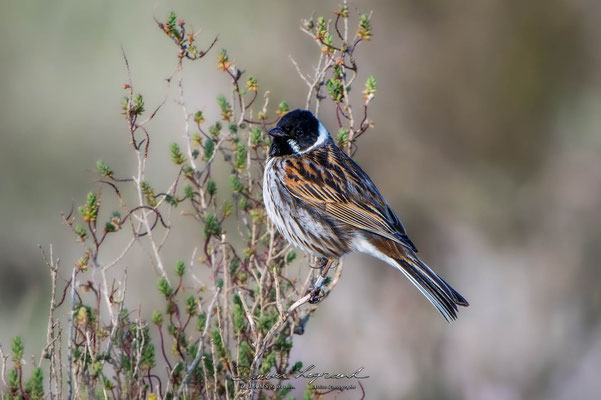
[(247, 302)]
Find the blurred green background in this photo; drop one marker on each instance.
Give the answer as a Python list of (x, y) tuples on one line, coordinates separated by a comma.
[(487, 144)]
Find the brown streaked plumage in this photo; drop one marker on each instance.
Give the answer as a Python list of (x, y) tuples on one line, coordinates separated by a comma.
[(324, 203)]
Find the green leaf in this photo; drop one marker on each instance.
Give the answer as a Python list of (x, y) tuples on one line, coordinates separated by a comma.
[(191, 306), (13, 380), (104, 169), (335, 89), (251, 84), (236, 185), (209, 149), (211, 187), (255, 136), (157, 318), (211, 225), (17, 348), (148, 193), (283, 108), (80, 231), (176, 154), (89, 211), (180, 268), (189, 192), (370, 87), (226, 108), (201, 321), (219, 347), (246, 355), (239, 316), (342, 138), (364, 28), (241, 154), (198, 117), (164, 287), (138, 107)]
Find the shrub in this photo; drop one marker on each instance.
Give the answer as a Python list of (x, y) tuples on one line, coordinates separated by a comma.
[(241, 319)]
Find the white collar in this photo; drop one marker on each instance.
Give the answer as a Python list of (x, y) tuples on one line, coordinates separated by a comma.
[(321, 139)]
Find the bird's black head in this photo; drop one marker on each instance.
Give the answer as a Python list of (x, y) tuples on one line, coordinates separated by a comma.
[(297, 132)]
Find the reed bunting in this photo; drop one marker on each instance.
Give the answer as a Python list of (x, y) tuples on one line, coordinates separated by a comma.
[(323, 203)]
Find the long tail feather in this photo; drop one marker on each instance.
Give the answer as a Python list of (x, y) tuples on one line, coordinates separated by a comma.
[(437, 291)]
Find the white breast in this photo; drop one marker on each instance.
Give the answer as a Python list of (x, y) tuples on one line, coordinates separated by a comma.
[(292, 222)]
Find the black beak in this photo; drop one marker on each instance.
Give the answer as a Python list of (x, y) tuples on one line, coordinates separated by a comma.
[(277, 132)]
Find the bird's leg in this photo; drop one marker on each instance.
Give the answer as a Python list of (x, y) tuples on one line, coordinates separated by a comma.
[(316, 292)]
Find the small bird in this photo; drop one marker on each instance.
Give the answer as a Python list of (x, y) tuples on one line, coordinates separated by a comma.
[(322, 202)]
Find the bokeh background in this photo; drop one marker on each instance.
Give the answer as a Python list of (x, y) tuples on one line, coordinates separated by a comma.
[(487, 144)]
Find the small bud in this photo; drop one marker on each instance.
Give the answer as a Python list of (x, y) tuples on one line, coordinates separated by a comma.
[(236, 185), (223, 62), (342, 136), (283, 108), (201, 321), (80, 231), (322, 28), (370, 89), (18, 348), (176, 154), (335, 89), (251, 84), (148, 192), (164, 287), (240, 156), (198, 117), (214, 130), (180, 268), (226, 108), (343, 12), (364, 31), (157, 318), (82, 263), (89, 211), (196, 139), (255, 136), (189, 192), (227, 208), (104, 169), (191, 307), (211, 226), (211, 187), (209, 149)]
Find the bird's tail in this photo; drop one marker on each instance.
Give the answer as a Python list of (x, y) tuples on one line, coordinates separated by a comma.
[(437, 291)]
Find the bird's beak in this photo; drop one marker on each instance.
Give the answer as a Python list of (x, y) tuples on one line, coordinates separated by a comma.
[(277, 132)]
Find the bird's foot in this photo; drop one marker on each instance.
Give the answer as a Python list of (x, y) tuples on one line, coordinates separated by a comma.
[(317, 294)]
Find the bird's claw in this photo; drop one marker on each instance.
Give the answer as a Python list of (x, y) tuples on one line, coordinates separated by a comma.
[(317, 294)]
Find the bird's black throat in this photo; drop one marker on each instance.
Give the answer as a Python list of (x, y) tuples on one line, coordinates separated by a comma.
[(280, 147)]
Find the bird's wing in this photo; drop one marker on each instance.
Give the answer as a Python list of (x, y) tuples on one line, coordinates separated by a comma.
[(327, 179)]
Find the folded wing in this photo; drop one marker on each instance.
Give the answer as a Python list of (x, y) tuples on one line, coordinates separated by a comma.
[(329, 180)]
